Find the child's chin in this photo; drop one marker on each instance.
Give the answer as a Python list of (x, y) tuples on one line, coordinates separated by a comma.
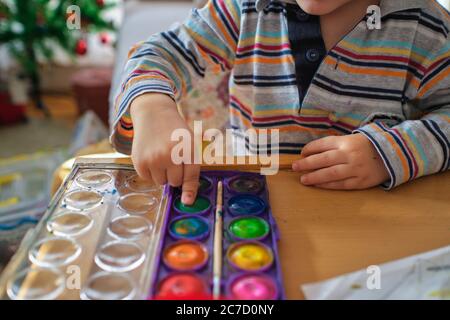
[(318, 7)]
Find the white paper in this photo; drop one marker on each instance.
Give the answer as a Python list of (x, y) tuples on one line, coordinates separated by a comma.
[(423, 276)]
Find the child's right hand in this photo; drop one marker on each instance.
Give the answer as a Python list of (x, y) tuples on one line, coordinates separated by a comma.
[(155, 117)]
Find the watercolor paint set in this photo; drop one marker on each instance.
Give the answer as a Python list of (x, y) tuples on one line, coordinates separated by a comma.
[(250, 268), (109, 235)]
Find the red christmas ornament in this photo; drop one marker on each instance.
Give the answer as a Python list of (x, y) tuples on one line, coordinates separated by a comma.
[(100, 3), (104, 38), (81, 47), (10, 113)]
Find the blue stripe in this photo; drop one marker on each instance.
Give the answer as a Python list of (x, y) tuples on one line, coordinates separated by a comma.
[(434, 129), (402, 147), (187, 55), (225, 21), (388, 44), (131, 94), (256, 77), (264, 53)]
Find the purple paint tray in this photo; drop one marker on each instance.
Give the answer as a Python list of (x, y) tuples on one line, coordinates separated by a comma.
[(245, 278)]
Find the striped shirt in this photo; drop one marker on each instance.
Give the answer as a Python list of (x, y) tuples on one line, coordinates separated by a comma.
[(392, 85)]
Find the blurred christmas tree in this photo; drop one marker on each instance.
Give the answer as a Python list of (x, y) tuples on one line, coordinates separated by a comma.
[(32, 28)]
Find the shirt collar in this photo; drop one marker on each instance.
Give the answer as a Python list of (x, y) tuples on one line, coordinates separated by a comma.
[(387, 6), (391, 6), (262, 4)]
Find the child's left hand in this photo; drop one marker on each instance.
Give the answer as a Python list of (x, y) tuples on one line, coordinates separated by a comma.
[(341, 163)]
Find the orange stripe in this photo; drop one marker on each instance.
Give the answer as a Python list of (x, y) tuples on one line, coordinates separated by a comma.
[(290, 128), (299, 128), (286, 59), (134, 48), (413, 80), (220, 25), (444, 11), (123, 132), (136, 79), (397, 150), (246, 122), (365, 70), (400, 74), (215, 68), (433, 82)]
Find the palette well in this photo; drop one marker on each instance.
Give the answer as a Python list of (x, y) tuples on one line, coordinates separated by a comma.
[(116, 236)]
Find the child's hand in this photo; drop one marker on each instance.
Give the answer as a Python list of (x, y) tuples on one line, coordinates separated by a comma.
[(341, 163), (155, 117)]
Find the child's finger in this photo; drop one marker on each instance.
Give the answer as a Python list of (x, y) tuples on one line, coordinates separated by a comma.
[(191, 176), (320, 145), (159, 176), (175, 175), (318, 161), (347, 184), (334, 173), (142, 170)]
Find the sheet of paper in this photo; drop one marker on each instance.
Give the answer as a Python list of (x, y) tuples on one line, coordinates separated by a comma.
[(423, 276)]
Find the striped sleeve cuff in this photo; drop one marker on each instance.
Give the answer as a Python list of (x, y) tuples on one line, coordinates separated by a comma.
[(375, 140), (394, 151), (409, 150), (121, 136)]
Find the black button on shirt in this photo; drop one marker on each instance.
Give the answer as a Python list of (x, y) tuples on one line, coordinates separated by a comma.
[(313, 55), (307, 45)]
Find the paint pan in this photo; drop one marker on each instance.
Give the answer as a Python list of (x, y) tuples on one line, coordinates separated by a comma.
[(201, 205), (185, 255), (181, 285), (245, 184), (248, 228), (250, 256), (252, 286), (192, 228), (246, 205)]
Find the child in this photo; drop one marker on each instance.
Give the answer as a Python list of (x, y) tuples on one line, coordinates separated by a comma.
[(365, 106)]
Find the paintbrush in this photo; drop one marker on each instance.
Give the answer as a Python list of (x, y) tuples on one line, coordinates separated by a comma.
[(217, 264)]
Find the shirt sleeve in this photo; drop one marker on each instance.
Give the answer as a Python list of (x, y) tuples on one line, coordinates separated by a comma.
[(416, 148), (171, 62)]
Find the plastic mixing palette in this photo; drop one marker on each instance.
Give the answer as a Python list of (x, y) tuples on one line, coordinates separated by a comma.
[(109, 235)]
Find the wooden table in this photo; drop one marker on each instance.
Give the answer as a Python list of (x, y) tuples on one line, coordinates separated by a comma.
[(328, 233)]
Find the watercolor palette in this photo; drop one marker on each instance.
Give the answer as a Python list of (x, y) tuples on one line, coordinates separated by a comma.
[(251, 266), (107, 234)]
